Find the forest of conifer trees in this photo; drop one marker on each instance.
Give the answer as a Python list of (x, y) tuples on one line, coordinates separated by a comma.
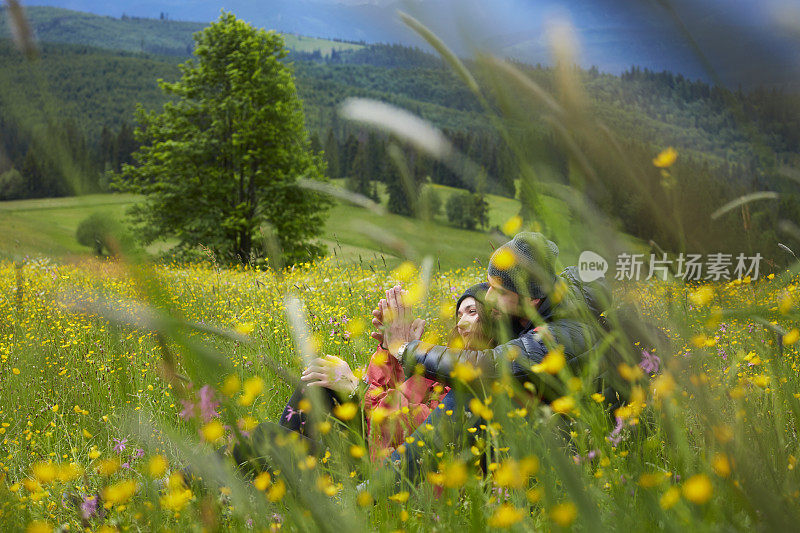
[(732, 142)]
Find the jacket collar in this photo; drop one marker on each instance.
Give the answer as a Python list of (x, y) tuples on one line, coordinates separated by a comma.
[(546, 311)]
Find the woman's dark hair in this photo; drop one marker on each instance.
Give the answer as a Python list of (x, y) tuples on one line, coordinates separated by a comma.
[(484, 334)]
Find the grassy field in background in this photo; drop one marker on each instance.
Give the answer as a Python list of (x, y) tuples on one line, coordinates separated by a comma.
[(301, 43), (47, 227)]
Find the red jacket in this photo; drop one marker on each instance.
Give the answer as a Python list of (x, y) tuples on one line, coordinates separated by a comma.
[(395, 406)]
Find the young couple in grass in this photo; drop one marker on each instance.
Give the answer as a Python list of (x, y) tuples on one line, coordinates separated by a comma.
[(411, 389)]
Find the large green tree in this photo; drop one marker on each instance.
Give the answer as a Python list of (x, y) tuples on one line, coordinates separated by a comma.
[(219, 164)]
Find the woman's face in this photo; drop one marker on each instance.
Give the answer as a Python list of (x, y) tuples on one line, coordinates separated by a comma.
[(467, 315)]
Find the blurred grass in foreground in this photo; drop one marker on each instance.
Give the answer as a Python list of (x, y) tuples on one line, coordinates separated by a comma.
[(75, 386)]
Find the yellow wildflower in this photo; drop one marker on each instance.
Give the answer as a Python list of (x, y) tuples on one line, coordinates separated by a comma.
[(761, 381), (630, 373), (505, 516), (479, 408), (157, 466), (564, 514), (649, 480), (786, 303), (245, 328), (663, 386), (698, 489), (277, 491), (247, 423), (666, 158), (721, 465), (355, 327), (119, 493), (69, 472), (262, 481), (379, 414), (176, 499), (553, 362), (39, 526), (465, 372), (231, 385), (563, 405), (669, 498), (107, 467), (405, 271), (364, 499), (400, 497), (512, 225), (357, 452), (503, 259), (534, 494), (45, 472), (346, 411), (455, 474), (213, 431), (253, 386), (702, 296), (509, 474)]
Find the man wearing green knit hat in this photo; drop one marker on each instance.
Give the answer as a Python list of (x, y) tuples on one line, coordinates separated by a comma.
[(521, 274), (526, 293)]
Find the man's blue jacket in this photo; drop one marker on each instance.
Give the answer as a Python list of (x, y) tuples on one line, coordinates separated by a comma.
[(573, 322)]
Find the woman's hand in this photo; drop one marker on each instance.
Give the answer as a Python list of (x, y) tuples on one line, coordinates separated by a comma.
[(332, 373)]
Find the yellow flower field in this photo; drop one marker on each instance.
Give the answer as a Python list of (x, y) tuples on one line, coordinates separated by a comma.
[(102, 366)]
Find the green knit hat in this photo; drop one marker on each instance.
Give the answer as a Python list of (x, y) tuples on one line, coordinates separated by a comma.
[(525, 265)]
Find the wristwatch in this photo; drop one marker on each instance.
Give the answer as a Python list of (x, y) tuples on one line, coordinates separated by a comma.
[(401, 352)]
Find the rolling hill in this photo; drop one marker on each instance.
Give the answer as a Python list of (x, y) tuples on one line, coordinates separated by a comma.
[(134, 34), (46, 227)]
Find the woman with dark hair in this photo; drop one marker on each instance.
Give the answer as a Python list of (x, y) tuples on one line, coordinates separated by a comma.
[(393, 406), (473, 327)]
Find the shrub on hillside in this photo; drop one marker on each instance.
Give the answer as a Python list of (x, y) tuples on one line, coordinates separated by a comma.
[(12, 185), (97, 232), (467, 210), (430, 203)]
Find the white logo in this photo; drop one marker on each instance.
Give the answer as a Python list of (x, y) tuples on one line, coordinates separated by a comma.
[(591, 266)]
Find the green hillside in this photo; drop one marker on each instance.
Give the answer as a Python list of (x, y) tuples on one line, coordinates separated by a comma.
[(133, 34), (46, 227)]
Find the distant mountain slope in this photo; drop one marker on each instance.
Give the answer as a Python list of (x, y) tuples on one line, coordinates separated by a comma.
[(153, 36), (95, 87), (741, 40)]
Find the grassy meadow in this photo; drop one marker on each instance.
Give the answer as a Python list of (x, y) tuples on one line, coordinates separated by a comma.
[(46, 227)]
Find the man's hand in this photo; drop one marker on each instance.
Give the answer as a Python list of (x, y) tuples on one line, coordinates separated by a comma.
[(417, 329), (332, 373), (399, 327), (377, 322)]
